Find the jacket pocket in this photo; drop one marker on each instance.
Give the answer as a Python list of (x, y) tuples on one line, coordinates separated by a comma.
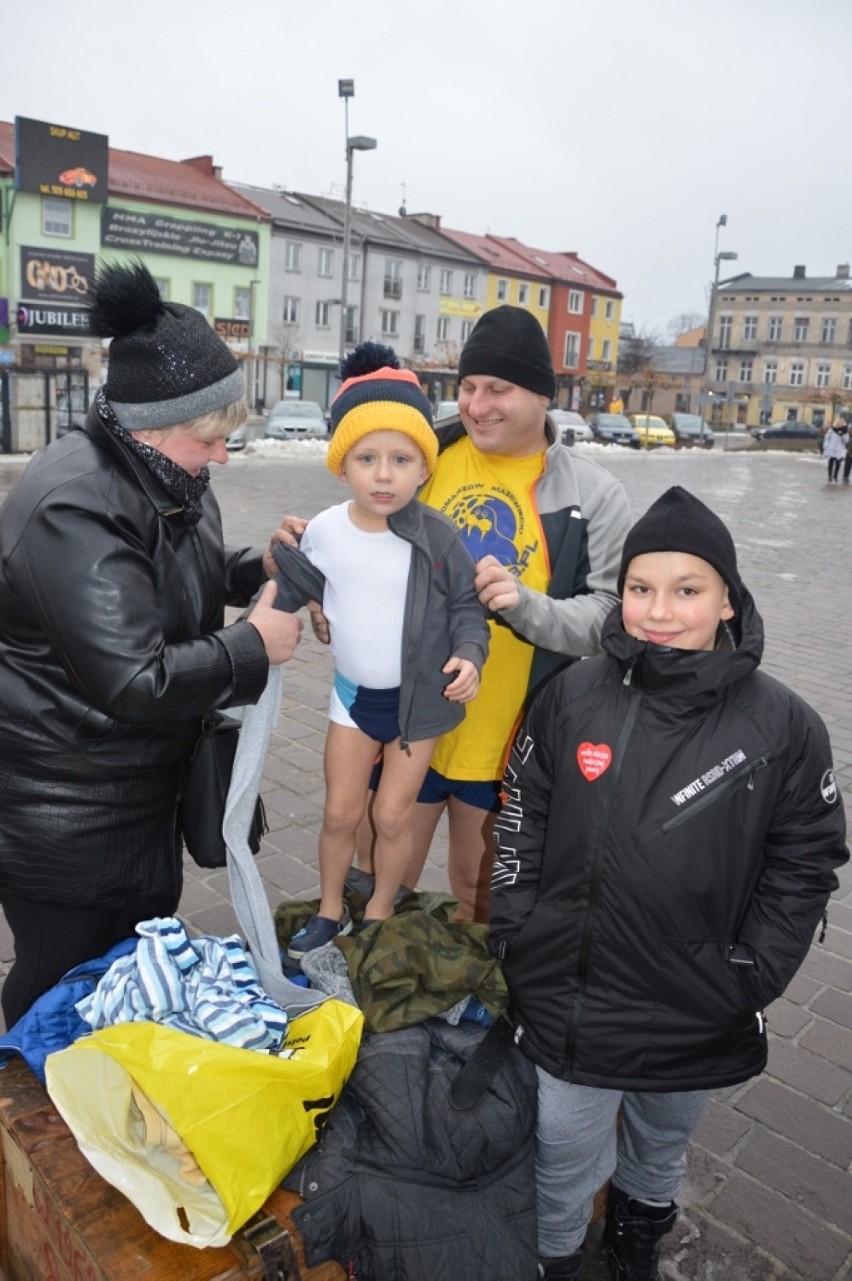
[(743, 778)]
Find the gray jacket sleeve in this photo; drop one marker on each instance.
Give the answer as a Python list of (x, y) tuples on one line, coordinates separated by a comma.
[(297, 580)]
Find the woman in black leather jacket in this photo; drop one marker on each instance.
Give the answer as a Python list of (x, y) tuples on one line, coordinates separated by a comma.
[(114, 577)]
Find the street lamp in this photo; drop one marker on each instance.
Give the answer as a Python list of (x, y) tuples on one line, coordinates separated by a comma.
[(726, 255), (346, 90)]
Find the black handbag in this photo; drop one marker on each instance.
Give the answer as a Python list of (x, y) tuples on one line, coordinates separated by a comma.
[(208, 777)]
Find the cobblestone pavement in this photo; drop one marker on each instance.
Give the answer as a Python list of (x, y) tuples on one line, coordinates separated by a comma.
[(768, 1195)]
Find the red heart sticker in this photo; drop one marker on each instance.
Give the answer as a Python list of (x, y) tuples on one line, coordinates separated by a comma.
[(593, 759)]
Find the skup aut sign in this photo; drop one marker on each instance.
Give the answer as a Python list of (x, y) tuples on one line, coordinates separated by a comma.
[(53, 160), (38, 319), (155, 233), (51, 276)]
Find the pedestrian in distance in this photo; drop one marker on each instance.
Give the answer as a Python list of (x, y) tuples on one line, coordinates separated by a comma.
[(847, 461), (408, 635), (114, 577), (664, 857), (834, 450)]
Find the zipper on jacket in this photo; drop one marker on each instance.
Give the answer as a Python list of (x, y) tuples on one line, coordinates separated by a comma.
[(595, 878), (710, 798)]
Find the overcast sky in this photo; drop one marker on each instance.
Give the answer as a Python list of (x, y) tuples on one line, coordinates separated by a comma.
[(618, 129)]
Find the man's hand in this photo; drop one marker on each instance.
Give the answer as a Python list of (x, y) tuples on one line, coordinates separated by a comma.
[(496, 587), (465, 683), (289, 531), (279, 631)]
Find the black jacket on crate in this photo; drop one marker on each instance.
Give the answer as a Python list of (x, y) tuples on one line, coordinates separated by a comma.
[(407, 1187), (665, 854), (112, 648)]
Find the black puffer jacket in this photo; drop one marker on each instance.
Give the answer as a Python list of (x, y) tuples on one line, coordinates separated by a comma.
[(665, 856), (112, 646), (410, 1189)]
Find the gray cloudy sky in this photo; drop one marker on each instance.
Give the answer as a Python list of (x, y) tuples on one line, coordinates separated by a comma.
[(620, 130)]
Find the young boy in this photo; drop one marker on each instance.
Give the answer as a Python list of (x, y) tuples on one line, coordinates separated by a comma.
[(408, 634), (664, 855)]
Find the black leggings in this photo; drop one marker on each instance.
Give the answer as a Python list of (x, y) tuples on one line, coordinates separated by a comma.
[(834, 468), (50, 940)]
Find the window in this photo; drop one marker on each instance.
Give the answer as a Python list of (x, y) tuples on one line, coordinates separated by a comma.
[(354, 272), (847, 377), (590, 349), (594, 307), (393, 278), (776, 326), (242, 304), (544, 296), (322, 316), (470, 284), (56, 217), (606, 349), (523, 294), (292, 255), (572, 350), (502, 290), (325, 262), (466, 329), (390, 324), (443, 328), (202, 298), (746, 369), (750, 328), (770, 371), (823, 373), (575, 302), (800, 329), (446, 286), (163, 287), (609, 311), (725, 326), (797, 373), (420, 331), (424, 278), (721, 371), (829, 329), (351, 325), (291, 310)]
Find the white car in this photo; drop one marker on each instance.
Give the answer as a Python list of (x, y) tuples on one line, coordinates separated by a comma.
[(295, 420), (445, 409), (575, 423)]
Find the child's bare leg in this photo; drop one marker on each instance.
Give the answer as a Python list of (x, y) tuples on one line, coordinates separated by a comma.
[(393, 814), (349, 758)]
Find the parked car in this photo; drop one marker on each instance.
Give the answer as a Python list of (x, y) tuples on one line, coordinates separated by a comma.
[(445, 409), (237, 439), (652, 430), (295, 420), (691, 429), (614, 429), (573, 426), (792, 431)]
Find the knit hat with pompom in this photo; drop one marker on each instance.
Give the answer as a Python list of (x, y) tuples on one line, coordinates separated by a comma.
[(376, 395), (166, 364)]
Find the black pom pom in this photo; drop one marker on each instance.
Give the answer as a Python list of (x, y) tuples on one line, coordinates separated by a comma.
[(366, 359), (124, 298)]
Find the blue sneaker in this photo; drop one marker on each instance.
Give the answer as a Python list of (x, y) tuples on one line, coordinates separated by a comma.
[(318, 931)]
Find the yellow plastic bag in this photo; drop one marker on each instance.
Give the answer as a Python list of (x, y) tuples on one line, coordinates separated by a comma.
[(246, 1116)]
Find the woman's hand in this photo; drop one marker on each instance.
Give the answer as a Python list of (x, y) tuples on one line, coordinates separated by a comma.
[(279, 631), (289, 531), (465, 684)]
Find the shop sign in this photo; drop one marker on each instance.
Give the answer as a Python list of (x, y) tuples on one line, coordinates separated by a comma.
[(466, 307), (53, 160), (53, 276), (39, 319), (232, 330), (155, 233)]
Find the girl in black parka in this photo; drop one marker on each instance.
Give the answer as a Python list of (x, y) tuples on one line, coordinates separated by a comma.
[(664, 855)]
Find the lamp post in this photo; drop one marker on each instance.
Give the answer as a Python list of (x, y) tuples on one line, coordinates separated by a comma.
[(725, 255), (346, 90)]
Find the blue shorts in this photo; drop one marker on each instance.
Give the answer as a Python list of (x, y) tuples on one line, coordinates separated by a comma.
[(375, 712), (436, 789)]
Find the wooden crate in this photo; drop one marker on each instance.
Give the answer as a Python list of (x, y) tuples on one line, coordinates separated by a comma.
[(60, 1221)]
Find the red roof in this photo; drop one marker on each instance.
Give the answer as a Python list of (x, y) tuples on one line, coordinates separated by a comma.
[(568, 268), (494, 252), (192, 183)]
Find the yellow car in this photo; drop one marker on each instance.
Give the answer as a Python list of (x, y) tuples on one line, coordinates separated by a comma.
[(652, 430)]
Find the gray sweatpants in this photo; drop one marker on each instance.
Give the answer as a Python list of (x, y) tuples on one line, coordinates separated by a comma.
[(579, 1147)]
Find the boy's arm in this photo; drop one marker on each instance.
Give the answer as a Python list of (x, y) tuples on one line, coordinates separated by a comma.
[(468, 619), (806, 842), (520, 829)]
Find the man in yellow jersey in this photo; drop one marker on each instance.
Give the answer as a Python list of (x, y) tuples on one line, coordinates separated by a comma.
[(545, 528)]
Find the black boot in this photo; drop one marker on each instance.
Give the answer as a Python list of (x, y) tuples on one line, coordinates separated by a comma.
[(564, 1268), (633, 1234)]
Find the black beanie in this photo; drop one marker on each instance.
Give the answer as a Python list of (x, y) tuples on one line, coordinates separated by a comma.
[(166, 364), (509, 343), (680, 522)]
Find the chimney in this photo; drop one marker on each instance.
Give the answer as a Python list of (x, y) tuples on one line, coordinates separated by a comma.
[(843, 271), (798, 273), (427, 219), (204, 164)]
